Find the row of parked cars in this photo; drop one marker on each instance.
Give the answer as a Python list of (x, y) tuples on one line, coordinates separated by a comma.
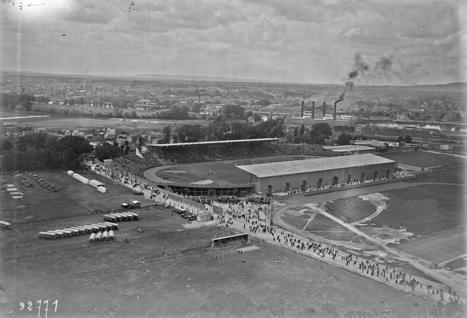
[(121, 216), (24, 181), (186, 215), (79, 230), (43, 183), (132, 205)]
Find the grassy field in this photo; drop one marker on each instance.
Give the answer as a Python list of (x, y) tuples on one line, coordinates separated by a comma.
[(350, 209), (423, 159), (73, 198), (167, 274), (424, 209), (327, 228), (57, 122), (440, 247), (158, 268)]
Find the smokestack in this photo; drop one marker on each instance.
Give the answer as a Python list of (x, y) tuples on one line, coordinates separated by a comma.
[(324, 109), (313, 109), (303, 106), (334, 116)]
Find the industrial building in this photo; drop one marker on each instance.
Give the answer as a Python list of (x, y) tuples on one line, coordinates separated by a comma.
[(349, 149), (318, 173)]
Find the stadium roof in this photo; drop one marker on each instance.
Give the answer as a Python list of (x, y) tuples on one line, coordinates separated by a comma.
[(200, 143), (346, 148), (274, 169)]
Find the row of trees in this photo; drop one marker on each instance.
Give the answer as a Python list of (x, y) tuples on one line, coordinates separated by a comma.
[(318, 133), (14, 101), (42, 151), (222, 131), (111, 151)]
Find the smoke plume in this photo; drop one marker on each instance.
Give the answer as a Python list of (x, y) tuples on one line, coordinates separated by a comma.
[(382, 67)]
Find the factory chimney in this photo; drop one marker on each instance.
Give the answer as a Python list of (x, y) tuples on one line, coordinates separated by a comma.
[(324, 109), (313, 109), (303, 106), (335, 109)]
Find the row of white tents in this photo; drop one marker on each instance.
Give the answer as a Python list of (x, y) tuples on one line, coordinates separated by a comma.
[(102, 236), (79, 230), (122, 216), (14, 192), (93, 182)]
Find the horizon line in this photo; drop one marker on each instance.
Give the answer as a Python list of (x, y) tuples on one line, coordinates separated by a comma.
[(213, 78)]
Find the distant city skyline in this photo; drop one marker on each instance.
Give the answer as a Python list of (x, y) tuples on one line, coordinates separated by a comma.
[(398, 43)]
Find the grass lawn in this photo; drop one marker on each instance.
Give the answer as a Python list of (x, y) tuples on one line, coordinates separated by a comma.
[(296, 221), (424, 209), (350, 209), (423, 159)]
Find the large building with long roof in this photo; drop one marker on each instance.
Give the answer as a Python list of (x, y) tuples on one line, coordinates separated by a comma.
[(318, 173)]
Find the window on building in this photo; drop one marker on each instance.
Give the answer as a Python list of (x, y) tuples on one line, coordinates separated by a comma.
[(303, 187), (320, 183), (335, 180)]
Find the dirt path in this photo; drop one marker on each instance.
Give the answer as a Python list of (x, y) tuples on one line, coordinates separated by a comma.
[(441, 275), (379, 210)]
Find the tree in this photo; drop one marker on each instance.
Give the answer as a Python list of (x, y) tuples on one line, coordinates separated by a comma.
[(344, 139), (190, 133), (166, 132), (233, 111), (44, 151), (107, 151), (196, 108), (408, 139)]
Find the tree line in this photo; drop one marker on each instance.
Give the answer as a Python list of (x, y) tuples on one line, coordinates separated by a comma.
[(37, 151), (222, 130)]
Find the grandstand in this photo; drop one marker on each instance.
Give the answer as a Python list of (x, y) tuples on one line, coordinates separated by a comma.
[(190, 152)]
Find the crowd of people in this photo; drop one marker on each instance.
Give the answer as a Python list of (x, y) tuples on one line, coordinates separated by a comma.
[(252, 215)]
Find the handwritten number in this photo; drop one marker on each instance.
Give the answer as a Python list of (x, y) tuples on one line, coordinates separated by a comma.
[(39, 304), (46, 307), (56, 304), (21, 306), (29, 305)]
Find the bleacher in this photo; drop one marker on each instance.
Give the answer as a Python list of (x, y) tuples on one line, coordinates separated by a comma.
[(213, 152), (136, 165)]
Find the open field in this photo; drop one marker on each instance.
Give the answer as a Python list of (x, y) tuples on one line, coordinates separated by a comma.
[(351, 209), (156, 267), (58, 122), (440, 247), (219, 172), (169, 274), (424, 209), (423, 159), (73, 198)]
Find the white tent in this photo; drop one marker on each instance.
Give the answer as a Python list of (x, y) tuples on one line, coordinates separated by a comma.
[(92, 237)]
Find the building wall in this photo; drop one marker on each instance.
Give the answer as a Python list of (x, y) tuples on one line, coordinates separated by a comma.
[(312, 179)]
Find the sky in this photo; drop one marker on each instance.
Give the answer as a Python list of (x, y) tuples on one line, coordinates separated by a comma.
[(306, 41)]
